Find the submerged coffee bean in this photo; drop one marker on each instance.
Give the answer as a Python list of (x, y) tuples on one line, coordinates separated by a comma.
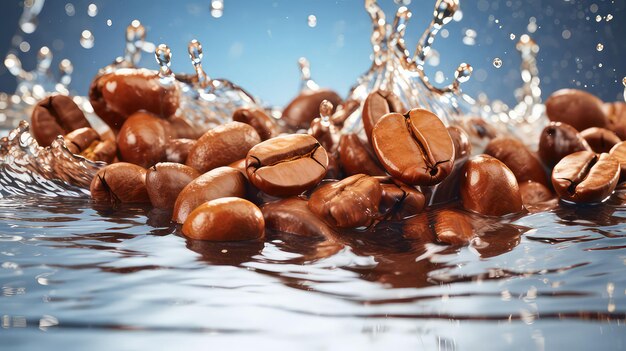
[(586, 177), (299, 113), (558, 140), (292, 215), (514, 154), (53, 116), (356, 158), (377, 104), (599, 139), (446, 226), (87, 143), (577, 108), (120, 183), (165, 180), (264, 125), (287, 165), (415, 148), (142, 139)]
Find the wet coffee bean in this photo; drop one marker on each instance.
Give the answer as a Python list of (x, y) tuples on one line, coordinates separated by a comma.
[(292, 215), (222, 145), (225, 219), (53, 116), (87, 143), (217, 183), (343, 111), (616, 114), (449, 189), (377, 104), (577, 108), (488, 187), (478, 128), (558, 140), (619, 153), (355, 157), (182, 128), (349, 203), (536, 196), (118, 94), (586, 177), (287, 165), (264, 125), (299, 113), (120, 183), (514, 154), (165, 181), (446, 226), (398, 200), (177, 150), (415, 148), (599, 139), (142, 139)]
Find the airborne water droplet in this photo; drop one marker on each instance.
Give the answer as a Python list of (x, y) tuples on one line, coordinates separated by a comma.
[(86, 39), (599, 47), (217, 8), (598, 18), (69, 9), (92, 10), (512, 36), (497, 62), (312, 21), (109, 22), (609, 17)]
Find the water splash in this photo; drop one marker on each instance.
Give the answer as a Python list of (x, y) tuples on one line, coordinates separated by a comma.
[(306, 83)]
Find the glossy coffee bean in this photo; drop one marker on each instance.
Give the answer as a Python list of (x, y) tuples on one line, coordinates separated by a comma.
[(292, 215), (142, 139), (558, 140), (349, 203), (222, 145), (619, 153), (217, 183), (577, 108), (586, 177), (599, 139), (355, 157), (534, 193), (299, 113), (449, 189), (514, 154), (184, 129), (177, 150), (87, 143), (446, 226), (120, 183), (118, 94), (53, 116), (415, 148), (398, 200), (478, 128), (616, 114), (264, 125), (377, 104), (488, 187), (287, 165), (165, 181), (225, 219)]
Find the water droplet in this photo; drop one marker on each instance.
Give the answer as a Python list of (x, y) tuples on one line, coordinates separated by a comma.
[(217, 8), (470, 37), (24, 46), (29, 27), (109, 22), (598, 18), (444, 11), (609, 17), (512, 36), (599, 47), (163, 56), (69, 9), (463, 73), (86, 39), (326, 109), (439, 77), (593, 8), (566, 34), (92, 10), (497, 62), (312, 21), (402, 2)]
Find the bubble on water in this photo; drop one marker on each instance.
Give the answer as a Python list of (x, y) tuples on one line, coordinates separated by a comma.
[(470, 37), (69, 9), (512, 36), (86, 39), (109, 22), (497, 62), (24, 46), (92, 10), (217, 8), (599, 47), (312, 21), (609, 17)]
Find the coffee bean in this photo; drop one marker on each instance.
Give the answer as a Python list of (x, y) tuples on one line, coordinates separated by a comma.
[(87, 143), (225, 219), (446, 226), (415, 148), (534, 193), (577, 108), (292, 215), (264, 125), (299, 113), (489, 187), (142, 139), (586, 177), (217, 183), (53, 116), (177, 150), (599, 139), (616, 114), (355, 157), (559, 140), (619, 153), (343, 111), (287, 165), (165, 181), (449, 189), (120, 183), (514, 154), (478, 128), (377, 104), (222, 145), (398, 200)]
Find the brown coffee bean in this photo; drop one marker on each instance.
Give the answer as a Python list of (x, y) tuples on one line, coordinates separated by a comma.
[(217, 183), (356, 158), (585, 177), (53, 116), (305, 107), (415, 148), (264, 125), (377, 104), (559, 140), (514, 154), (449, 189), (165, 181), (118, 94), (287, 165), (619, 153), (446, 226), (222, 145), (225, 219), (398, 200), (479, 128), (292, 215), (142, 140), (177, 150), (120, 183), (348, 203), (616, 114), (489, 187), (87, 143), (577, 108), (343, 111), (184, 129), (534, 195), (599, 139)]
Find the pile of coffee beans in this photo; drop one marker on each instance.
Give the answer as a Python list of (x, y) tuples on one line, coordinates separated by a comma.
[(301, 175)]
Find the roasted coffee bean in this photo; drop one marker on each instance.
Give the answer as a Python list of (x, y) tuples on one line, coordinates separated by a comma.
[(356, 158), (559, 140), (120, 183), (225, 219), (616, 114), (599, 139), (377, 104), (287, 165), (326, 133), (217, 183), (305, 107), (292, 215), (534, 193), (142, 140), (415, 148), (118, 94), (177, 150), (344, 111), (619, 153), (348, 203), (222, 145), (586, 177), (166, 180), (577, 108), (514, 154), (240, 165), (446, 226), (53, 116), (489, 187), (183, 128), (449, 189), (398, 200), (87, 143), (264, 125), (479, 128)]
